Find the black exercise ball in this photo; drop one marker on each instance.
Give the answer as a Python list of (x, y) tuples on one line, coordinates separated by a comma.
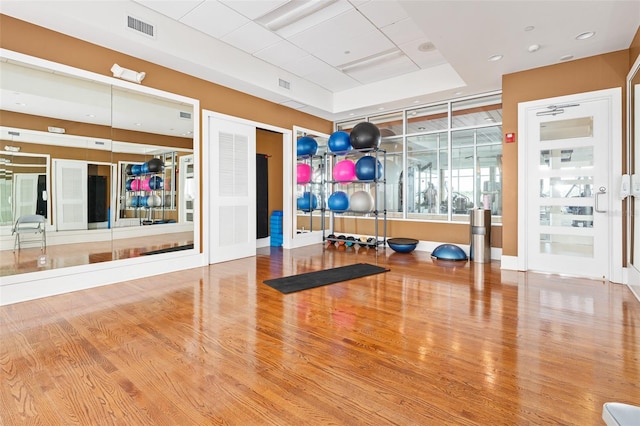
[(365, 136), (128, 170), (155, 165)]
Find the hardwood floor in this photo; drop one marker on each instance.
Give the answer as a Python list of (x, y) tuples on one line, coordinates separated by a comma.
[(428, 343)]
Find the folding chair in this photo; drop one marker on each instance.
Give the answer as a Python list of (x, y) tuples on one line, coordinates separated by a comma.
[(33, 224)]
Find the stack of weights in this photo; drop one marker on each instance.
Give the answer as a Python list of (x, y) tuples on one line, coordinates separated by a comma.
[(276, 228)]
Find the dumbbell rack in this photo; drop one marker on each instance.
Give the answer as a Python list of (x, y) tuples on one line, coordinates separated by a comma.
[(379, 212)]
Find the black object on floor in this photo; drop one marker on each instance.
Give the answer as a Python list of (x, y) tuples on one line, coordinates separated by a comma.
[(168, 250), (309, 280)]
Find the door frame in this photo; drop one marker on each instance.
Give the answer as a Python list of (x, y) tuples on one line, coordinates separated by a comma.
[(287, 181), (614, 204)]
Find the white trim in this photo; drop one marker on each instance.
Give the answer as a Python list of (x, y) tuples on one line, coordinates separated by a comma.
[(632, 271), (509, 263), (614, 96)]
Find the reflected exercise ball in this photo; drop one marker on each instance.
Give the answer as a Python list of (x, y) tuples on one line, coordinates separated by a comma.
[(306, 146), (128, 170), (365, 136), (307, 202), (156, 182), (128, 184), (136, 169), (339, 142), (155, 165), (338, 201), (361, 201), (344, 171), (303, 173), (366, 168)]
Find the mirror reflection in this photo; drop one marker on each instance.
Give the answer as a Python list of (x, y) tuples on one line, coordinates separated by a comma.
[(634, 123), (69, 149), (310, 192)]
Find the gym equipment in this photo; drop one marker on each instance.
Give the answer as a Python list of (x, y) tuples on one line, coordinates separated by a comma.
[(155, 165), (128, 184), (330, 239), (144, 185), (402, 245), (365, 136), (342, 240), (344, 171), (339, 142), (135, 185), (136, 169), (306, 146), (135, 201), (350, 241), (128, 170), (366, 168), (338, 202), (363, 241), (361, 201), (303, 173), (156, 182), (154, 201), (307, 202), (448, 252)]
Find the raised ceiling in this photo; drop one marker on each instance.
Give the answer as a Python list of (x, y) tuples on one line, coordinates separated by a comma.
[(344, 58)]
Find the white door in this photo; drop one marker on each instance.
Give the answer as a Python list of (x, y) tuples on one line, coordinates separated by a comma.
[(26, 194), (232, 166), (568, 187), (71, 196)]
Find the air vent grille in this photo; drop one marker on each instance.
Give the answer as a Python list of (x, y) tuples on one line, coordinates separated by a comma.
[(141, 26), (12, 133), (184, 114), (284, 84)]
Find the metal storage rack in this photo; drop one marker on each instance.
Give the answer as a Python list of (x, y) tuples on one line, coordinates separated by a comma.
[(378, 185)]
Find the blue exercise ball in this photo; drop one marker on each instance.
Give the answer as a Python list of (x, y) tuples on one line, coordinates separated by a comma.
[(128, 184), (136, 169), (156, 182), (135, 201), (366, 168), (144, 168), (307, 202), (306, 146), (339, 142), (338, 201), (365, 136)]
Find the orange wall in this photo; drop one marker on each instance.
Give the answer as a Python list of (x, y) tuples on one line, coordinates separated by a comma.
[(634, 48), (583, 75)]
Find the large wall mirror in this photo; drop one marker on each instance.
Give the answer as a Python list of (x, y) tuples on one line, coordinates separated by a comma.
[(633, 121), (110, 165)]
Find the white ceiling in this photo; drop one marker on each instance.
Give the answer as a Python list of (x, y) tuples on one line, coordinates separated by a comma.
[(414, 52)]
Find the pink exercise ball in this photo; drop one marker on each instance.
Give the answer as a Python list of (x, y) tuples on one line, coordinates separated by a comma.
[(344, 171), (303, 173), (145, 185)]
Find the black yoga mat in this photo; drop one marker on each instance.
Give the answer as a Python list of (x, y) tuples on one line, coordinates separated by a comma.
[(309, 280), (168, 250)]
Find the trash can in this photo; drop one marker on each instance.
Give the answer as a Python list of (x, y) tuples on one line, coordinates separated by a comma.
[(480, 247)]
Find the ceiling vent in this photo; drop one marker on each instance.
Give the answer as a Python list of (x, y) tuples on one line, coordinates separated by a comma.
[(284, 84), (186, 115), (140, 26)]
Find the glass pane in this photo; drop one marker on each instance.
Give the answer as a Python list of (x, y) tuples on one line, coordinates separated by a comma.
[(428, 119), (462, 182), (567, 187), (477, 112), (390, 124), (424, 185), (489, 135), (565, 159), (567, 216), (489, 178), (393, 186), (566, 129), (566, 245), (348, 125), (463, 138)]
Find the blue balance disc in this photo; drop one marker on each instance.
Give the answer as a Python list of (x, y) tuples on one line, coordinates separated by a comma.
[(448, 252), (402, 245)]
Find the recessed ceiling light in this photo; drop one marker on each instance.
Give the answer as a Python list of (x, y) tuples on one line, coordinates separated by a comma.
[(380, 109), (21, 104), (489, 119), (533, 48), (427, 46), (566, 57), (422, 128), (351, 113), (137, 124), (529, 28), (585, 35), (494, 58), (458, 93), (416, 102), (91, 115)]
